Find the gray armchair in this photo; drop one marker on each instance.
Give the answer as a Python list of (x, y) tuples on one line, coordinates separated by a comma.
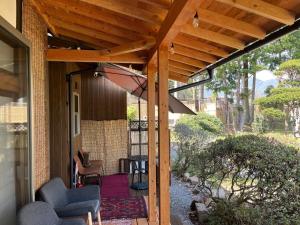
[(41, 213), (71, 202)]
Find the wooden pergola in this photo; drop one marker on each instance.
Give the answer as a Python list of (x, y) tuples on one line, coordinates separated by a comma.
[(171, 38)]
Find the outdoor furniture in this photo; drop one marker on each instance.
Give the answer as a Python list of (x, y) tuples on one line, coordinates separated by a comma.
[(72, 202), (87, 163), (87, 171), (38, 213), (136, 166)]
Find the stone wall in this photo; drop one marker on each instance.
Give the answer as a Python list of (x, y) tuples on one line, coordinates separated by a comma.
[(35, 30), (105, 140)]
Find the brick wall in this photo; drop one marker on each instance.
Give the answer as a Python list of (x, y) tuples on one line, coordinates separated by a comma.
[(36, 31), (105, 140)]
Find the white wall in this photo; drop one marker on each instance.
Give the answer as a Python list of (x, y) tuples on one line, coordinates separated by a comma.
[(8, 10)]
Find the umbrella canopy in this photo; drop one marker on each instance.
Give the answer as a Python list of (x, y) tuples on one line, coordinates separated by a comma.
[(136, 85)]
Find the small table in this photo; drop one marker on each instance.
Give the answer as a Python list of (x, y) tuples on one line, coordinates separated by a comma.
[(140, 185)]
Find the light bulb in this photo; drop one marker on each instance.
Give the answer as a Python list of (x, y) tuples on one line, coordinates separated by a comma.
[(172, 49), (196, 20)]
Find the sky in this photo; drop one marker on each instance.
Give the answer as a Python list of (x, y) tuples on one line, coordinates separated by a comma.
[(265, 75)]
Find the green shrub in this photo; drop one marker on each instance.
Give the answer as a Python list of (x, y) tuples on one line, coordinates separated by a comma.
[(202, 121), (131, 112), (258, 173)]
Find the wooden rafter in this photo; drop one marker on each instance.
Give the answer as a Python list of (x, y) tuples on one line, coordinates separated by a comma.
[(183, 66), (178, 77), (130, 47), (89, 32), (102, 15), (42, 14), (181, 50), (187, 60), (200, 46), (93, 42), (90, 23), (164, 4), (263, 8), (126, 9), (67, 55), (180, 71), (213, 36), (231, 23), (180, 12)]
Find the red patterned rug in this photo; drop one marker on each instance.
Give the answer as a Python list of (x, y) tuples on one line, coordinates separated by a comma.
[(123, 208)]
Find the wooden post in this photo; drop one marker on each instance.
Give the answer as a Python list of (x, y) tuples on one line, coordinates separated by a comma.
[(163, 110), (151, 144)]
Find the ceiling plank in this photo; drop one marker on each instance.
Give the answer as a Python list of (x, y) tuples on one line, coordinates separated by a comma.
[(103, 16), (213, 36), (89, 32), (183, 66), (130, 47), (179, 14), (40, 11), (230, 23), (187, 60), (126, 9), (200, 46), (181, 71), (178, 77), (67, 55), (84, 21), (164, 4), (265, 9), (181, 50), (94, 42)]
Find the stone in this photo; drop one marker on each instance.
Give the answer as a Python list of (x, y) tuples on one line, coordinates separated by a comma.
[(194, 180), (195, 191), (202, 212)]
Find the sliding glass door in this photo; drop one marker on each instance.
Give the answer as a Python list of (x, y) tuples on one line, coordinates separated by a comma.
[(15, 175)]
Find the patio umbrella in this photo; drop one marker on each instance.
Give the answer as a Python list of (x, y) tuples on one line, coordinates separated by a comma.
[(136, 85)]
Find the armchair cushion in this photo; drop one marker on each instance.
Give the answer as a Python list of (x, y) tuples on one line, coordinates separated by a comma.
[(86, 193), (79, 209), (41, 213), (55, 193), (71, 202)]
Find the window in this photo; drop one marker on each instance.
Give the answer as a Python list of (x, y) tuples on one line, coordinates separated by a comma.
[(76, 114), (15, 156)]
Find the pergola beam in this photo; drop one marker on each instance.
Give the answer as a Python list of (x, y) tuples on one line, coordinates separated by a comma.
[(179, 71), (200, 46), (213, 36), (230, 23), (130, 47), (187, 60), (181, 50), (178, 77), (265, 9), (45, 18), (67, 55), (179, 14), (126, 9), (183, 66)]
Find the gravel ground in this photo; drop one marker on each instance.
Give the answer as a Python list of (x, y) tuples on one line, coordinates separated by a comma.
[(181, 199)]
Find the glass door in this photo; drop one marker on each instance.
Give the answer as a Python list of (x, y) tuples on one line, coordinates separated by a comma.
[(15, 176)]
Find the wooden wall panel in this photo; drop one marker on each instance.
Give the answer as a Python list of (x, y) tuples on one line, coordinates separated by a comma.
[(59, 139), (101, 99)]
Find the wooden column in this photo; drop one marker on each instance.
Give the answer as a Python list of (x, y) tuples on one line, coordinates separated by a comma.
[(164, 160), (151, 144)]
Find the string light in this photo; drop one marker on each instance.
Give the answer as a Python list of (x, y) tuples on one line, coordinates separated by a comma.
[(172, 49), (196, 20)]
